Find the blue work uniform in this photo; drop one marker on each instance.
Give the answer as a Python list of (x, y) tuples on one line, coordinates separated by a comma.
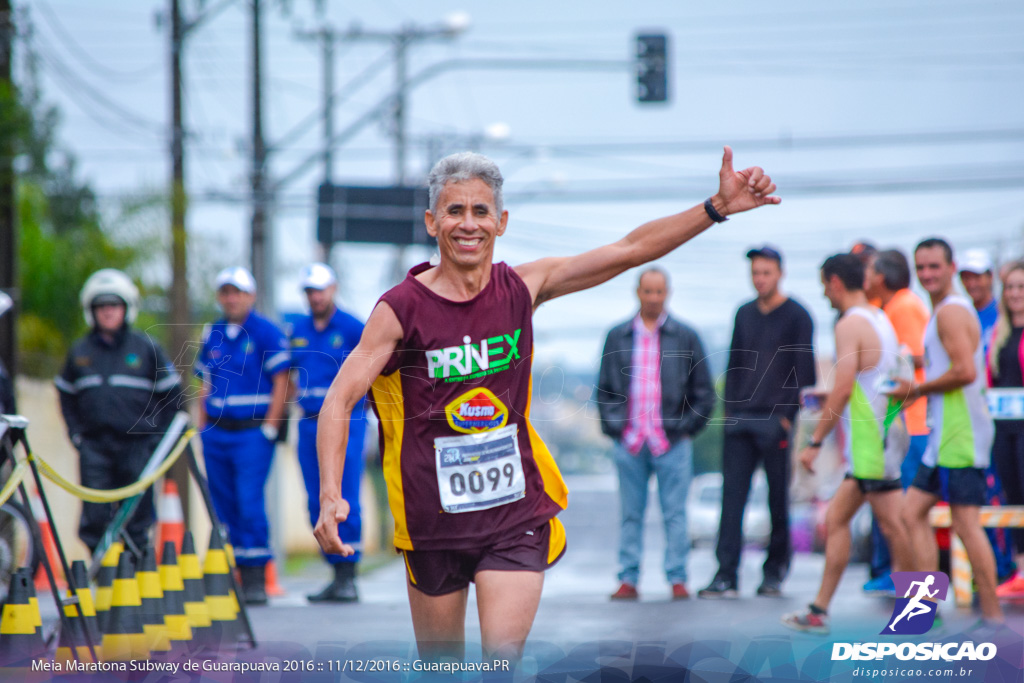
[(317, 356), (238, 364)]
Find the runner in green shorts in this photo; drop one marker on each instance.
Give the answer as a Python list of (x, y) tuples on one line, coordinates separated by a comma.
[(960, 442), (874, 432)]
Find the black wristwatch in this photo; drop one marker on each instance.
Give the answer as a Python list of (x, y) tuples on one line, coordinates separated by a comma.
[(814, 444)]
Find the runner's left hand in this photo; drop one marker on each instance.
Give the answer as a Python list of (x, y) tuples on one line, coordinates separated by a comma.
[(743, 190)]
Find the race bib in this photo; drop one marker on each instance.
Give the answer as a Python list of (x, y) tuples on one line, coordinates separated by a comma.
[(479, 471), (1006, 404)]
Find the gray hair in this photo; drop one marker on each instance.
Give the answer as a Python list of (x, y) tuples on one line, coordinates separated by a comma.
[(892, 265), (461, 166)]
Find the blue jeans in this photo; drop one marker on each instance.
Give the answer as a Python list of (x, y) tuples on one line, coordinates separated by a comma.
[(351, 530), (881, 562), (674, 470), (237, 467)]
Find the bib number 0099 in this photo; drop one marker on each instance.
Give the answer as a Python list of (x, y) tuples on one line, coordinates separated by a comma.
[(476, 483), (479, 471)]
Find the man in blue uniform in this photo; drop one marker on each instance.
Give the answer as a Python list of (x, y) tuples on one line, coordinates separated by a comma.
[(243, 363), (320, 343)]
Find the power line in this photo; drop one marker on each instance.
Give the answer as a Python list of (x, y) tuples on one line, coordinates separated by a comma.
[(83, 56), (76, 84)]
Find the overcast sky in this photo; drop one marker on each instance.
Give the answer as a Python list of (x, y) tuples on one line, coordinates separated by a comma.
[(840, 104)]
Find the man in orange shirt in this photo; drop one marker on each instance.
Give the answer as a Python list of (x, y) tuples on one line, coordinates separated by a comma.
[(887, 280)]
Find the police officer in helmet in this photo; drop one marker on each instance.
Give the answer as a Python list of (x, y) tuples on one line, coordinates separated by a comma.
[(118, 392)]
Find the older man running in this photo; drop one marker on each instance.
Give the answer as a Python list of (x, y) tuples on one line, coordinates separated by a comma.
[(446, 358)]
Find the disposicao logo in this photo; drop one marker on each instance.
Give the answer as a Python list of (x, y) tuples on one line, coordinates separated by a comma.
[(476, 411), (914, 613)]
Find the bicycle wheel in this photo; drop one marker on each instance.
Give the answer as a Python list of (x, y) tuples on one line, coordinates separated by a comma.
[(18, 543)]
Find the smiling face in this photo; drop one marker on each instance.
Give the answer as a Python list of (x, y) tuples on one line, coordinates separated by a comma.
[(1013, 291), (934, 272), (466, 223)]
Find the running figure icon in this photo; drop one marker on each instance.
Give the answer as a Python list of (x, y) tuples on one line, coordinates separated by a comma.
[(916, 607)]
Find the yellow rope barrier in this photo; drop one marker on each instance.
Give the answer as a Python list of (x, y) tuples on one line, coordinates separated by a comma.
[(17, 474), (112, 495)]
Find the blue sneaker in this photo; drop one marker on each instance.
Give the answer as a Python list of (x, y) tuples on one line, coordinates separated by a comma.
[(881, 585)]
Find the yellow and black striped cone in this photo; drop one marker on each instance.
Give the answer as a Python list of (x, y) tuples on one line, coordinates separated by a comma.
[(195, 595), (72, 645), (219, 597), (229, 553), (80, 577), (20, 640), (178, 628), (105, 582), (152, 596), (125, 639), (33, 600)]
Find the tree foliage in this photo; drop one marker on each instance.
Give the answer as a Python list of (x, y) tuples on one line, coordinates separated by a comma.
[(61, 236)]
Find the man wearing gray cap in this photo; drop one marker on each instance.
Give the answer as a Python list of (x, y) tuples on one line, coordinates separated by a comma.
[(320, 343), (243, 365)]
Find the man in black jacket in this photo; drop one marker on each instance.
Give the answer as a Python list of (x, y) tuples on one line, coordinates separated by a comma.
[(118, 393), (654, 395), (770, 359)]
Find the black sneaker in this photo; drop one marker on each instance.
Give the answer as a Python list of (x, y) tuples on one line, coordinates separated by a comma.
[(342, 588), (770, 588), (719, 589)]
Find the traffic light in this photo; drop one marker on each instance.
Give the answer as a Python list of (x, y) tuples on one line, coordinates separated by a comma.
[(652, 67)]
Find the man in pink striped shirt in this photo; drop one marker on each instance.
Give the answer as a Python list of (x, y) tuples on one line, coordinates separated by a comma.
[(654, 395)]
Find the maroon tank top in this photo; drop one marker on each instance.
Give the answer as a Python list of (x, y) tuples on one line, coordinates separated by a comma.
[(461, 369)]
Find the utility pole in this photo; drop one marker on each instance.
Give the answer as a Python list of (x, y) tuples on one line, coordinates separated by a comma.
[(181, 329), (180, 315), (260, 238), (399, 41), (180, 319), (8, 227)]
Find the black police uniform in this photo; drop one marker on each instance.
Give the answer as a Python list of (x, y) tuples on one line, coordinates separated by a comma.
[(117, 399)]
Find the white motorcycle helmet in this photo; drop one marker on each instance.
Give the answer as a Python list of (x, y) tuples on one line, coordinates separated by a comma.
[(110, 282)]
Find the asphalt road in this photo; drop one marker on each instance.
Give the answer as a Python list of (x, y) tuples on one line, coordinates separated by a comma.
[(575, 607), (578, 630)]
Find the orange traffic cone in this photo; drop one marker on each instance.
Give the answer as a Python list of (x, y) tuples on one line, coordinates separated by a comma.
[(42, 582), (171, 520), (273, 588)]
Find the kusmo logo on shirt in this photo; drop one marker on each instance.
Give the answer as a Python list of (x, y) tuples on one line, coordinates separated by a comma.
[(473, 359), (914, 613), (478, 410)]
